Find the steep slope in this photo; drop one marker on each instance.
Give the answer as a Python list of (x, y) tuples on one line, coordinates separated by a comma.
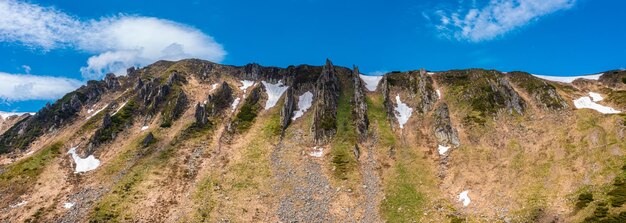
[(195, 141)]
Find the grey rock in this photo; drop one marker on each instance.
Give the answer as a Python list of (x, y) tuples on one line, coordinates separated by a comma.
[(445, 133), (359, 106), (149, 139), (325, 105), (289, 106)]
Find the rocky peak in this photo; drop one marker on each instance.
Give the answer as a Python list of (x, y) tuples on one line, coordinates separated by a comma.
[(359, 106), (427, 96), (289, 106), (325, 105), (112, 82)]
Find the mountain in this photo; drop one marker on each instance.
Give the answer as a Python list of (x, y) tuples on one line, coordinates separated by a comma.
[(195, 141)]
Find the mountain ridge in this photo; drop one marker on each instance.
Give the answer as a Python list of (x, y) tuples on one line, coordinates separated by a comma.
[(193, 126)]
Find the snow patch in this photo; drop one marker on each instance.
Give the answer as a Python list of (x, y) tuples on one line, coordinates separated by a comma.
[(213, 86), (317, 152), (83, 165), (371, 82), (438, 93), (235, 103), (443, 149), (22, 203), (430, 73), (464, 197), (595, 97), (246, 85), (304, 103), (568, 79), (68, 205), (274, 91), (89, 111), (95, 113), (145, 128), (403, 112), (587, 102)]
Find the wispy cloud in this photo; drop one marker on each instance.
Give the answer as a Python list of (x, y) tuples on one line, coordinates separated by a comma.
[(21, 87), (116, 42), (496, 18), (26, 68)]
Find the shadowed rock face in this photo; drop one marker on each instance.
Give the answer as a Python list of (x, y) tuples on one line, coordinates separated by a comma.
[(325, 105), (443, 130), (359, 106), (615, 79), (289, 106), (505, 92)]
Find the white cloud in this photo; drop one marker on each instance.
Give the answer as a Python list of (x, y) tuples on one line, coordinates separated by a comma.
[(496, 18), (17, 87), (26, 68), (117, 42)]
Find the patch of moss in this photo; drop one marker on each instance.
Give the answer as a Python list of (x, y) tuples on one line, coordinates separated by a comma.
[(403, 201), (583, 200), (617, 97), (204, 200)]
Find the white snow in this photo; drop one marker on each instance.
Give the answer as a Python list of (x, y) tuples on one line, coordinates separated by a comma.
[(568, 79), (235, 103), (587, 102), (5, 115), (274, 91), (443, 149), (304, 103), (145, 128), (22, 203), (29, 153), (430, 73), (371, 82), (83, 165), (95, 113), (464, 197), (213, 86), (119, 108), (89, 111), (317, 152), (595, 96), (438, 93), (403, 112), (68, 205), (246, 85)]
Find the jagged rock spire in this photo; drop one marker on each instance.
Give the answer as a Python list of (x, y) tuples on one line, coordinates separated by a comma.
[(359, 108), (326, 102)]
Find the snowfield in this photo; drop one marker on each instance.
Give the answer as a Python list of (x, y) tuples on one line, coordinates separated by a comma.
[(443, 149), (246, 85), (317, 152), (83, 165), (304, 103), (595, 97), (464, 197), (274, 91), (235, 103), (403, 112), (588, 102), (145, 128), (568, 79), (371, 82)]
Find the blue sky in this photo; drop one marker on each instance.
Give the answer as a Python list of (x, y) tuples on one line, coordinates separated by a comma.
[(48, 48)]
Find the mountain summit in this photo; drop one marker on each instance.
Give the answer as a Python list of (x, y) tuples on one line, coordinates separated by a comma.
[(196, 141)]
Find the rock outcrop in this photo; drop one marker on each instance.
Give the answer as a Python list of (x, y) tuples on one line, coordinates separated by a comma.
[(424, 90), (289, 106), (325, 105), (201, 115), (112, 83), (359, 106), (542, 92), (512, 101), (220, 100), (445, 133)]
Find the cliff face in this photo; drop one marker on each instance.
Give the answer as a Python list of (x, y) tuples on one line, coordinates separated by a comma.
[(195, 141)]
